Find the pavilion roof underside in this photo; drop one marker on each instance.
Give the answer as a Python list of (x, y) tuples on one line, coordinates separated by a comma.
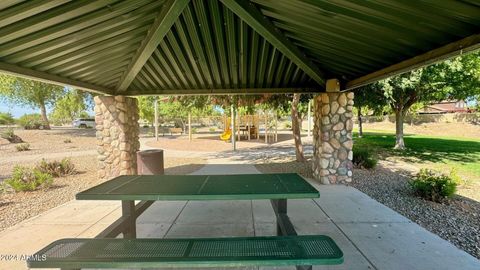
[(149, 47)]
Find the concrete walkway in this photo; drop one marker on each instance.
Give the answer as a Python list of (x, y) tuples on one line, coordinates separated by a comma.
[(371, 235)]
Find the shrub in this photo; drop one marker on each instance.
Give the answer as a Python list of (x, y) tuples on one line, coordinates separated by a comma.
[(10, 136), (363, 158), (212, 129), (22, 147), (31, 121), (26, 179), (6, 119), (57, 168), (67, 141), (287, 125), (433, 185), (3, 188)]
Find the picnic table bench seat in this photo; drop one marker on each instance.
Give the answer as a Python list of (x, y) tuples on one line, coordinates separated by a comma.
[(184, 252)]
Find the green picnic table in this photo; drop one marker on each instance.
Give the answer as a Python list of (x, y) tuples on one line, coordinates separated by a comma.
[(287, 248)]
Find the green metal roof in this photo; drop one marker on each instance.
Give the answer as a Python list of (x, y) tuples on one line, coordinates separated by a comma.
[(133, 47)]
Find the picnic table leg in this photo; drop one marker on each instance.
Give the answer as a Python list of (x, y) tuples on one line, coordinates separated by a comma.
[(280, 207), (128, 211), (284, 225)]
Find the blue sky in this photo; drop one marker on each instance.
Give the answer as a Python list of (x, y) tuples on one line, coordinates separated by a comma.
[(17, 110)]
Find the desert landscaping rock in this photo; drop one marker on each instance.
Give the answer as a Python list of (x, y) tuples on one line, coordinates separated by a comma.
[(16, 207)]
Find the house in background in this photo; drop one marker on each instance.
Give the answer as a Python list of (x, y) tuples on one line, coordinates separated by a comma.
[(448, 106)]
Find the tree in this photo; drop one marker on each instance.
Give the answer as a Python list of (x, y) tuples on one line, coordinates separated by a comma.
[(297, 127), (30, 93), (177, 108), (146, 108), (298, 106), (458, 78), (70, 106), (368, 97)]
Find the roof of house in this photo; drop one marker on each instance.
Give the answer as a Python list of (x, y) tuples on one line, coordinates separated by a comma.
[(445, 106), (134, 47)]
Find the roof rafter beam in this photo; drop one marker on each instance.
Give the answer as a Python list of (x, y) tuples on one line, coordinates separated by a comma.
[(255, 19), (169, 13), (459, 47), (53, 79), (229, 91)]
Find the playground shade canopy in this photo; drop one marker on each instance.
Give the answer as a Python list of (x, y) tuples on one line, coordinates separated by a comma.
[(142, 47)]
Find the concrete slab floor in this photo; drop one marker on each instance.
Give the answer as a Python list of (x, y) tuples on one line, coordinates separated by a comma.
[(371, 235)]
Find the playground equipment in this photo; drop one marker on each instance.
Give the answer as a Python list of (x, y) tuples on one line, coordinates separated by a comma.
[(250, 127), (245, 125), (226, 135)]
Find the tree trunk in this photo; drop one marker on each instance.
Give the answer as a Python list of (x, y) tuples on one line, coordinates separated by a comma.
[(360, 123), (43, 110), (296, 128), (399, 143)]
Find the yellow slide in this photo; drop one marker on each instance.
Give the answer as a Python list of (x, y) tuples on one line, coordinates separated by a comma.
[(226, 135)]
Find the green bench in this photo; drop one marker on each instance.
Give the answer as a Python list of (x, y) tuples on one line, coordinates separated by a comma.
[(188, 253)]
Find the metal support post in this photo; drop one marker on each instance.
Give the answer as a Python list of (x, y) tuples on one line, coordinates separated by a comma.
[(233, 127), (190, 126), (128, 211), (309, 119), (156, 118)]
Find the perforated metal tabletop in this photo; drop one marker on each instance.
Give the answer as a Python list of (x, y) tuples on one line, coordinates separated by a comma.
[(202, 187)]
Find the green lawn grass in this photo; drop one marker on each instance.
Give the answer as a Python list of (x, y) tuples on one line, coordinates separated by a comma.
[(437, 152)]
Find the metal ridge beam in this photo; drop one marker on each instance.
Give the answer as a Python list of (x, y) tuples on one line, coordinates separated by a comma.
[(255, 19), (169, 13), (243, 91), (51, 78), (459, 47)]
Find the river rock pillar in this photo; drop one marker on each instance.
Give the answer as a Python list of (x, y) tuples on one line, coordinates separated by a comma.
[(332, 137), (116, 119)]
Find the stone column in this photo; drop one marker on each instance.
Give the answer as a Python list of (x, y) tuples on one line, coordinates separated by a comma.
[(332, 137), (116, 119)]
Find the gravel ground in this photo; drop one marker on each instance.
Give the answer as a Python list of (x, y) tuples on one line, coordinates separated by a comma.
[(16, 207), (457, 221), (49, 141)]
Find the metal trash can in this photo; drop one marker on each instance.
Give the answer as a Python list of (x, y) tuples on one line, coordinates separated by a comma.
[(150, 162)]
